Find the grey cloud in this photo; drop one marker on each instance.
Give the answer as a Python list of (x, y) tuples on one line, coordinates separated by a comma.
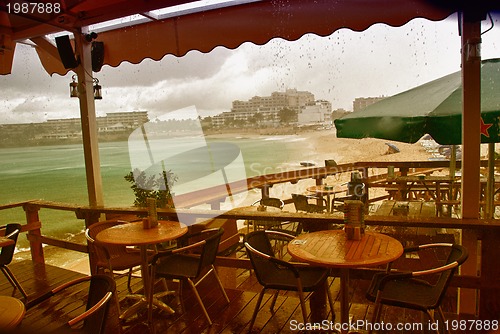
[(380, 61)]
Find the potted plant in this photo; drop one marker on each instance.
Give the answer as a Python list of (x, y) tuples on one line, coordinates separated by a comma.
[(157, 187)]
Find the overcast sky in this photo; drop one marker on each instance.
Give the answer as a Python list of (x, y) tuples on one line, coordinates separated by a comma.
[(382, 60)]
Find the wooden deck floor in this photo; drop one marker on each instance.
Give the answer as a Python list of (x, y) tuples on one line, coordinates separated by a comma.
[(241, 287)]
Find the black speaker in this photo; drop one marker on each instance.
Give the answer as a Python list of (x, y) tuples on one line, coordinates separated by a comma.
[(66, 52), (97, 56)]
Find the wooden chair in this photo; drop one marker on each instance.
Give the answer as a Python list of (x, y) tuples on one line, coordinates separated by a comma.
[(263, 224), (355, 191), (191, 263), (411, 289), (274, 273), (110, 258), (93, 320), (301, 203), (11, 232)]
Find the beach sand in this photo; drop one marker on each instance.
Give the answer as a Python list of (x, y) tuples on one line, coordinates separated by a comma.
[(317, 146)]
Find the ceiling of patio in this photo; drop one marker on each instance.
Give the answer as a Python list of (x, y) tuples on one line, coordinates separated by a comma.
[(133, 30)]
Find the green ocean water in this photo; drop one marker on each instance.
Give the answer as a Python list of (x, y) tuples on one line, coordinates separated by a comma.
[(57, 173)]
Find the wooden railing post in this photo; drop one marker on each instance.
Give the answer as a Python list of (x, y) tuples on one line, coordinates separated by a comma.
[(489, 300), (33, 227)]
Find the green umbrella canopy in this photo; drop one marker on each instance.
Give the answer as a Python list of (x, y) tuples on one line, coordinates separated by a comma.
[(434, 108)]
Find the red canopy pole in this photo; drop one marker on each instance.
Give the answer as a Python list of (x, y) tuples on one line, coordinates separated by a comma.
[(471, 146), (471, 120)]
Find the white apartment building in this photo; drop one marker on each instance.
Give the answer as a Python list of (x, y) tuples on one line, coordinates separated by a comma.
[(319, 112), (360, 103), (267, 106), (111, 123)]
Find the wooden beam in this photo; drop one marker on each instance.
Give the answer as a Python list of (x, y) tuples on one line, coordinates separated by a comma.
[(489, 307), (45, 44), (471, 118), (89, 121), (471, 145)]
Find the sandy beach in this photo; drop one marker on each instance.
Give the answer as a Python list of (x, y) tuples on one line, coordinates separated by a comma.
[(319, 145), (316, 147)]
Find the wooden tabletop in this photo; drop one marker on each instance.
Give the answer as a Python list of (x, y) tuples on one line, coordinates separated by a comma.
[(330, 248), (323, 189), (133, 234), (4, 242), (255, 208), (12, 312), (421, 178), (415, 208)]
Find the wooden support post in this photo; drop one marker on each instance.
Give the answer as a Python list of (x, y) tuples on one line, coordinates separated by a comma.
[(264, 191), (471, 118), (89, 121), (489, 308), (471, 141), (33, 223)]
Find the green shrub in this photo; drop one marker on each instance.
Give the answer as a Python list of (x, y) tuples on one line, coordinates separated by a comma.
[(157, 187)]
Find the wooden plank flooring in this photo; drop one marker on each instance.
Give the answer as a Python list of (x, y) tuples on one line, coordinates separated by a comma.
[(241, 287)]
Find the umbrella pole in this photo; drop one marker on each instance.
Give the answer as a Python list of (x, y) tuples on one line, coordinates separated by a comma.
[(490, 181), (453, 160), (453, 168)]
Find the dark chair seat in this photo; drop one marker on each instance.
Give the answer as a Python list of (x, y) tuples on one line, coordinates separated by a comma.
[(301, 203), (190, 263), (411, 293), (93, 321), (274, 273), (284, 279), (11, 232), (179, 266), (421, 290)]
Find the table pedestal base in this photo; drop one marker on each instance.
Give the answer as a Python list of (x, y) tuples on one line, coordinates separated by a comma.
[(142, 302)]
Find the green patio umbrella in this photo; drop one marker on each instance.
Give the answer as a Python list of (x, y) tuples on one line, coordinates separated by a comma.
[(434, 108)]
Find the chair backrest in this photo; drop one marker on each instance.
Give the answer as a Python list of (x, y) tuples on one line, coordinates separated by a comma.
[(272, 201), (300, 202), (8, 251), (100, 285), (356, 189), (263, 266), (209, 249), (97, 249), (457, 254)]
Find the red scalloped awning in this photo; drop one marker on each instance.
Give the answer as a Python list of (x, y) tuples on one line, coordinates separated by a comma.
[(256, 22)]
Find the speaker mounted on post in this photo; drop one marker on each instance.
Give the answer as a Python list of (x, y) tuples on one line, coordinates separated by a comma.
[(97, 55), (66, 53)]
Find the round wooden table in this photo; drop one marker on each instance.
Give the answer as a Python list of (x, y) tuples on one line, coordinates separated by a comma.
[(134, 234), (332, 249), (12, 312)]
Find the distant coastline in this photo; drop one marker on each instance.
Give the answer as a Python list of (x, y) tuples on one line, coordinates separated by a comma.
[(18, 140)]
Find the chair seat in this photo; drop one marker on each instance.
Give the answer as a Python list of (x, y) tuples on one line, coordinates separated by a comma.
[(178, 266), (182, 264), (277, 274), (285, 280), (413, 293)]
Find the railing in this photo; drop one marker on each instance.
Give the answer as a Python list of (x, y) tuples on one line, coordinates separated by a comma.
[(482, 235)]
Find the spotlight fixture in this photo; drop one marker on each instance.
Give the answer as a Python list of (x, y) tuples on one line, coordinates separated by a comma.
[(97, 90), (73, 87), (90, 37)]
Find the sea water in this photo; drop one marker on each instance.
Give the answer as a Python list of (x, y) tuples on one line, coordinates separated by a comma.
[(57, 173)]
